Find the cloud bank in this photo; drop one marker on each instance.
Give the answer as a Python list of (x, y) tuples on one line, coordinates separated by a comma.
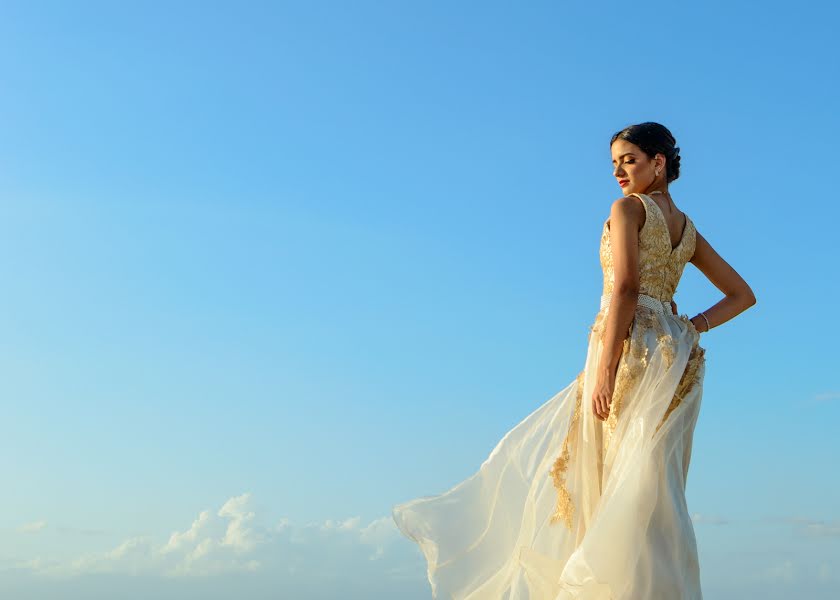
[(231, 540)]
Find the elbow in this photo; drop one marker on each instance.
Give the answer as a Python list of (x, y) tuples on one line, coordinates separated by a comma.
[(748, 297), (628, 289)]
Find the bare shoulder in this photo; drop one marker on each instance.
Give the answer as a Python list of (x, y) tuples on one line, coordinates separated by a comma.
[(704, 253), (705, 257), (629, 210)]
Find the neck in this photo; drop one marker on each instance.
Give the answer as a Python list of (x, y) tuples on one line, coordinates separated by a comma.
[(663, 192)]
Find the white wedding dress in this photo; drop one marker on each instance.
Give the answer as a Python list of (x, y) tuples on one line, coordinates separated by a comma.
[(570, 507)]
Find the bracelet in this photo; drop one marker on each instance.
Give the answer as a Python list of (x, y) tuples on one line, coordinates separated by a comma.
[(708, 327)]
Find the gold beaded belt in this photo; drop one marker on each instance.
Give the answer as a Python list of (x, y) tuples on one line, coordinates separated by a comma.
[(663, 307)]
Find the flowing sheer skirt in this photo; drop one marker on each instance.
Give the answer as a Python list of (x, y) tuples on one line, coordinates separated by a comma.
[(570, 507)]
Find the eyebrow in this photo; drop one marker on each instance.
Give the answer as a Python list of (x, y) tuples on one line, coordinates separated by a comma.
[(625, 154)]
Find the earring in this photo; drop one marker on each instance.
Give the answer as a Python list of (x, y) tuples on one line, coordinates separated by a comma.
[(656, 172)]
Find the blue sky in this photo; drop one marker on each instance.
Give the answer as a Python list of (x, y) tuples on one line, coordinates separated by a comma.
[(271, 268)]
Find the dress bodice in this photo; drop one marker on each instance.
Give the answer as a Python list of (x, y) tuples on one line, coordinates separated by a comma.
[(660, 266)]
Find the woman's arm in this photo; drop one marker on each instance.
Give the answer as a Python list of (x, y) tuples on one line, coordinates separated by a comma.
[(626, 219), (738, 294)]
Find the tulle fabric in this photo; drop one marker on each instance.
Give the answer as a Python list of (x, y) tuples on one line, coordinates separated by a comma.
[(631, 535)]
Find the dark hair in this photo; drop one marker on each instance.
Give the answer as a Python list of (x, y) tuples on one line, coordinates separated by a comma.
[(654, 138)]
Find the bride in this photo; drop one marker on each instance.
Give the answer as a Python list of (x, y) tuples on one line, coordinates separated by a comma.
[(585, 497)]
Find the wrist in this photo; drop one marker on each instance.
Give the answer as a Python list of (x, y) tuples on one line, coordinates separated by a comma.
[(606, 371)]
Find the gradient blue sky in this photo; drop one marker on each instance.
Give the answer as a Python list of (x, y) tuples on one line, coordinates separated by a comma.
[(270, 268)]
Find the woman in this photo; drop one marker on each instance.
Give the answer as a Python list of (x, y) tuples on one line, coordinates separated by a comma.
[(586, 500)]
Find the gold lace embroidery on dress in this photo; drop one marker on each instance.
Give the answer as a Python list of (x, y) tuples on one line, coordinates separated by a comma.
[(660, 266), (634, 359), (689, 379), (631, 365), (565, 507), (660, 269)]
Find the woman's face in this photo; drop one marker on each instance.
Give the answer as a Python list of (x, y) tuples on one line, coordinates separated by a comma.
[(632, 168)]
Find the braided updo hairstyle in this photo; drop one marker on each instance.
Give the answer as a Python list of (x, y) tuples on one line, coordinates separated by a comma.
[(653, 139)]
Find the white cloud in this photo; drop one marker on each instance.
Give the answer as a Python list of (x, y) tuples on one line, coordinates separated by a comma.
[(708, 519), (131, 556), (378, 534), (346, 525), (283, 525), (32, 527), (823, 528), (179, 540), (816, 527), (826, 573), (784, 572), (233, 539), (238, 535), (211, 545)]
